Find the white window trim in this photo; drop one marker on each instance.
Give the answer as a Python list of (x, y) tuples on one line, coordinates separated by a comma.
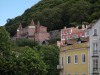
[(94, 32), (85, 58), (94, 64), (68, 74), (83, 73), (95, 45), (75, 73), (74, 58), (67, 59)]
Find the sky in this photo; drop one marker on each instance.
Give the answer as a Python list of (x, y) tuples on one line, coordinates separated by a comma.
[(13, 8)]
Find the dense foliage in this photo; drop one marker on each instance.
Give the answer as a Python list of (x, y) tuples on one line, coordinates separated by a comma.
[(50, 54), (4, 42), (55, 14), (26, 57)]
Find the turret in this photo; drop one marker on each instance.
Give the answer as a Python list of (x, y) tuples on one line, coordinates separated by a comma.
[(20, 27), (32, 23), (19, 30), (38, 27), (31, 29)]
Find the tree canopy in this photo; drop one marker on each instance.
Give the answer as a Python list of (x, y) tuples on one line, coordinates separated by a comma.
[(4, 41), (26, 57), (55, 14)]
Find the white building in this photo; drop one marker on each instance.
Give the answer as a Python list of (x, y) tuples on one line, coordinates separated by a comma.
[(94, 37)]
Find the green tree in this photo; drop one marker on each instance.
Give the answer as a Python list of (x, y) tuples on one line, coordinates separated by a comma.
[(5, 50), (26, 42), (51, 58), (79, 11), (55, 14), (28, 62), (16, 60), (4, 42), (23, 61)]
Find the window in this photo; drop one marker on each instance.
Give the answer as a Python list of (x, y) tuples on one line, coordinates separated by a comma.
[(62, 37), (80, 35), (95, 64), (68, 59), (62, 32), (95, 51), (87, 33), (68, 32), (75, 59), (83, 74), (75, 36), (75, 74), (67, 37), (68, 74), (95, 32), (83, 58)]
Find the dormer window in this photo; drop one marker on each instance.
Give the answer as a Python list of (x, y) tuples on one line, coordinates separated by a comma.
[(95, 32)]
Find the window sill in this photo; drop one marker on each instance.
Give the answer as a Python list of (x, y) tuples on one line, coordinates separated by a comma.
[(83, 62), (95, 35), (75, 63)]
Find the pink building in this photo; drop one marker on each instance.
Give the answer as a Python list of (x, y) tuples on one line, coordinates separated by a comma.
[(35, 32), (71, 33)]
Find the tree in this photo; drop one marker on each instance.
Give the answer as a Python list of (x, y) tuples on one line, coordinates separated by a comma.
[(16, 60), (55, 14), (28, 62), (79, 11), (26, 42), (4, 42), (5, 50), (23, 61), (51, 58)]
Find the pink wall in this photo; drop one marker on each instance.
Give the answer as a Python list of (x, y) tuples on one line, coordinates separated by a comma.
[(38, 33)]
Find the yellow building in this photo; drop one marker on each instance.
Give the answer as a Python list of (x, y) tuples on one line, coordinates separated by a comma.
[(74, 59)]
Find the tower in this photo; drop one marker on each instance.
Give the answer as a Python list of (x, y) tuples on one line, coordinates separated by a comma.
[(19, 30), (31, 30)]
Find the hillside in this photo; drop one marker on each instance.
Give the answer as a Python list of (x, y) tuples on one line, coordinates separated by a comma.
[(55, 14)]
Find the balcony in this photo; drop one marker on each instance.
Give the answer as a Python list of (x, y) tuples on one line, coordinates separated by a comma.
[(95, 35), (95, 71), (95, 53), (60, 67)]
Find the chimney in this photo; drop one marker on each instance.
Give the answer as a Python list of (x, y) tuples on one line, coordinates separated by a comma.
[(83, 27), (71, 30), (65, 28), (77, 27), (86, 26)]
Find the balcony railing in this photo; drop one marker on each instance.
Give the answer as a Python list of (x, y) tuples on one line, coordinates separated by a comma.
[(95, 53), (60, 67), (95, 35), (95, 71)]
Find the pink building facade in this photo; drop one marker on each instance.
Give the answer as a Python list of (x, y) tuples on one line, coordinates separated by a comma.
[(37, 32), (71, 33)]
